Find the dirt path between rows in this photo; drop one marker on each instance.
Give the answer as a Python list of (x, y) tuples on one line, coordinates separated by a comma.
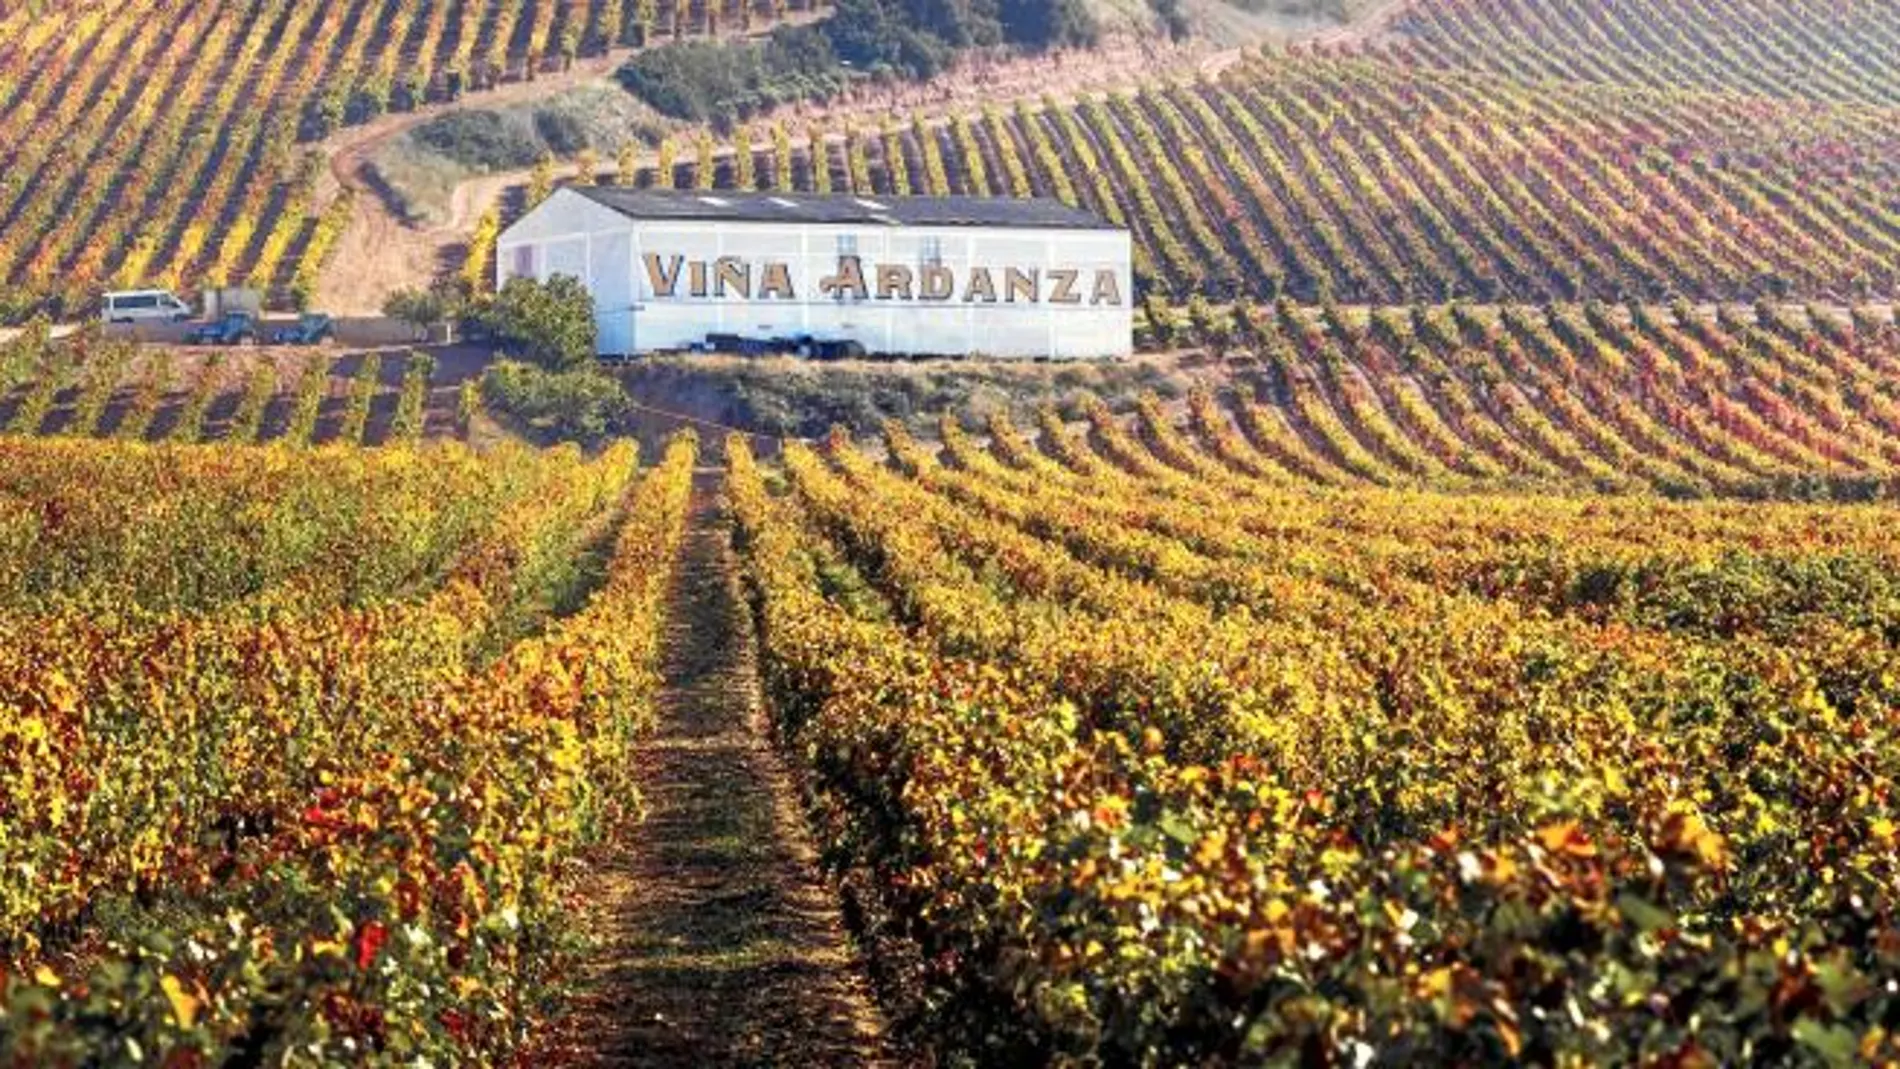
[(723, 945)]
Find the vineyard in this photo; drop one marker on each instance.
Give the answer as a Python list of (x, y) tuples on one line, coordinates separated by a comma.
[(1373, 701), (1838, 50), (1739, 402), (1519, 150), (92, 387), (162, 142), (1363, 181), (1153, 759), (1768, 401), (299, 740), (1470, 635)]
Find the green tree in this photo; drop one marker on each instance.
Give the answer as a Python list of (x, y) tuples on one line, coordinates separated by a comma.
[(550, 324), (420, 309), (582, 405), (443, 302)]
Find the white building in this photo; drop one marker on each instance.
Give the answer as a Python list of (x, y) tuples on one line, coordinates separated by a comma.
[(913, 275)]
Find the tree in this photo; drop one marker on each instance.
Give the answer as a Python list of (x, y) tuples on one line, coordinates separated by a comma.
[(582, 405), (547, 323), (587, 164), (427, 309), (627, 165), (1043, 24)]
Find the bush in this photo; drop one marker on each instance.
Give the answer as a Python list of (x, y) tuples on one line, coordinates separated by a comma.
[(478, 139), (550, 324), (578, 406), (705, 81), (722, 83), (562, 132), (421, 309)]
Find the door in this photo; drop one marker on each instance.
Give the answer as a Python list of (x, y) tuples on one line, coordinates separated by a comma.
[(615, 334)]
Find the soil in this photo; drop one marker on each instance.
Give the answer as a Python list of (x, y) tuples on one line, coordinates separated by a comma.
[(719, 942)]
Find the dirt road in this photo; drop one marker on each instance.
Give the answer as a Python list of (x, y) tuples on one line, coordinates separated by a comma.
[(722, 946)]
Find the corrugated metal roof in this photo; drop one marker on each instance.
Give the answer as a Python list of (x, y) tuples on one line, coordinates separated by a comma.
[(728, 206)]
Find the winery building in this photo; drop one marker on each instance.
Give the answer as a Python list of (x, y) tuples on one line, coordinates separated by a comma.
[(949, 276)]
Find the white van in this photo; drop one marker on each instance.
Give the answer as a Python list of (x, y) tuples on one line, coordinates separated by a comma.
[(144, 306)]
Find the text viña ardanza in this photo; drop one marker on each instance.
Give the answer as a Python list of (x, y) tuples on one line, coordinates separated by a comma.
[(730, 276)]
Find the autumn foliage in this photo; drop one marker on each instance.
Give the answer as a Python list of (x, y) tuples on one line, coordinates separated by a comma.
[(297, 747), (1150, 760)]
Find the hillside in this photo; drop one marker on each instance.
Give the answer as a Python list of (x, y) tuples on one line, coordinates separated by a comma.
[(1793, 49), (1769, 401), (1465, 631), (169, 141), (1447, 148), (1408, 163), (1357, 180)]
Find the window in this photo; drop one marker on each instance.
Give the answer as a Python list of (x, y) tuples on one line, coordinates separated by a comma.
[(847, 245), (931, 253), (144, 300), (524, 261)]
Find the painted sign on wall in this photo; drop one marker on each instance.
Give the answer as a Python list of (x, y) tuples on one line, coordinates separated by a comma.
[(733, 277)]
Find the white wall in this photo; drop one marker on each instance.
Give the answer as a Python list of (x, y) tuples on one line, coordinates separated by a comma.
[(569, 234)]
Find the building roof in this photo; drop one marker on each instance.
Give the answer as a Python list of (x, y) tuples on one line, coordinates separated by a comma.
[(726, 206)]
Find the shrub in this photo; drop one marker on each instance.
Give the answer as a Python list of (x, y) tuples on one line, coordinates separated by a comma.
[(478, 138), (578, 406), (723, 83), (550, 324)]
